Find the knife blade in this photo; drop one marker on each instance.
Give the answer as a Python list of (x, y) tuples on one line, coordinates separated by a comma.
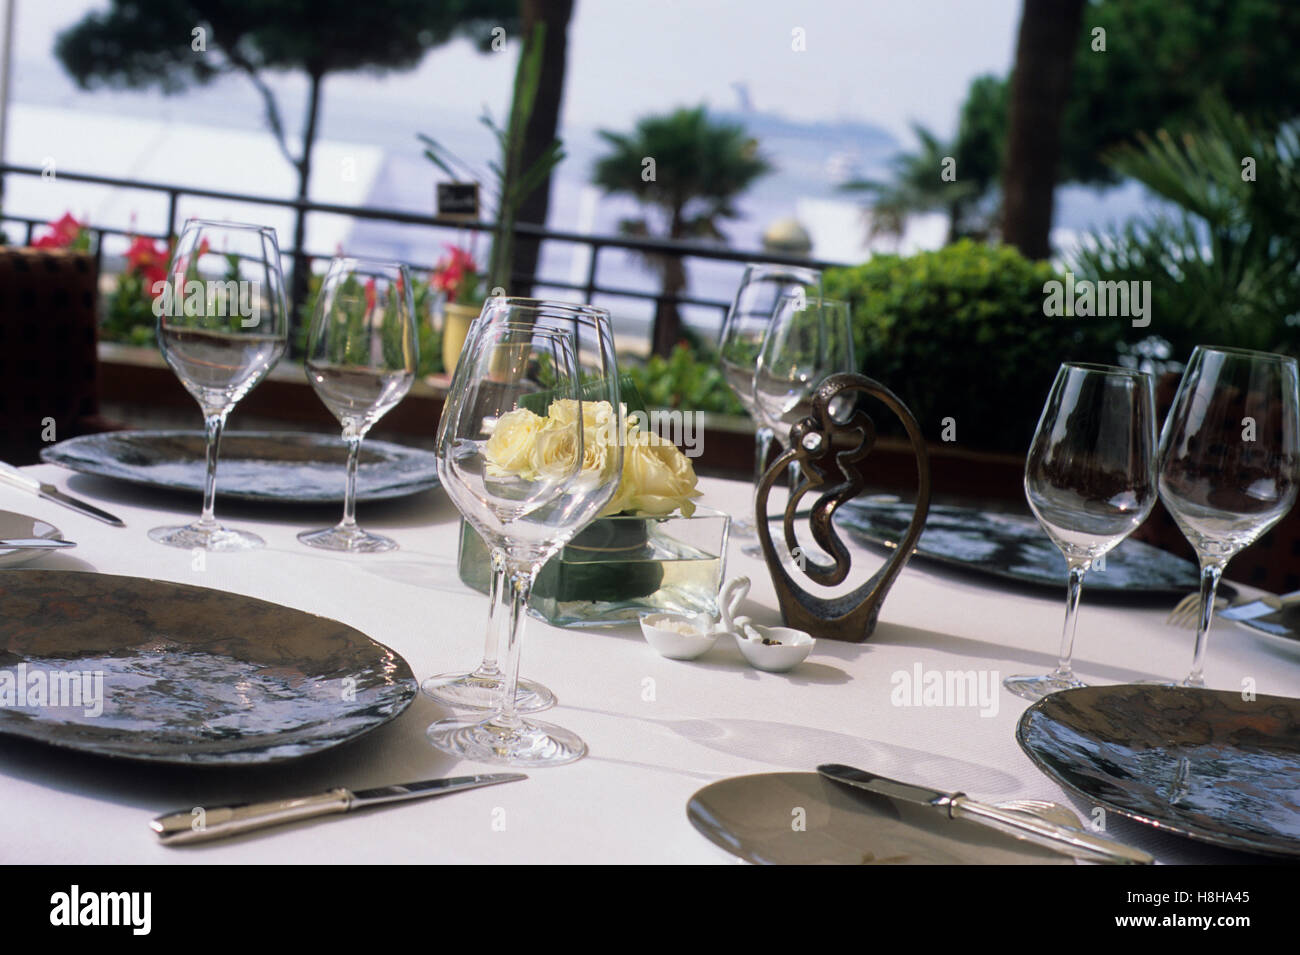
[(36, 543), (13, 476), (956, 805), (186, 826)]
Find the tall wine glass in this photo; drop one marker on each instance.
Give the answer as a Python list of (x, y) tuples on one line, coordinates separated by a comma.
[(743, 330), (593, 336), (222, 325), (1090, 480), (361, 360), (1229, 461), (525, 512), (807, 340)]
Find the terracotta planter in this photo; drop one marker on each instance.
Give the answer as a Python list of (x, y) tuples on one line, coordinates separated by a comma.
[(456, 320)]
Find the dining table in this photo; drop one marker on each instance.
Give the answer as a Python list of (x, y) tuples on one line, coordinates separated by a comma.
[(658, 730)]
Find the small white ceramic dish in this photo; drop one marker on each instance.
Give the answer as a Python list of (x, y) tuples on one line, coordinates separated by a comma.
[(679, 637), (790, 649), (15, 526)]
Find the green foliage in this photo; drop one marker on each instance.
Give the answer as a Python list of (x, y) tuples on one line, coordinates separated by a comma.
[(128, 313), (428, 339), (683, 380), (1223, 267), (961, 333)]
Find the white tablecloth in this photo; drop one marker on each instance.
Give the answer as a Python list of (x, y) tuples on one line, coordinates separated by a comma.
[(658, 729)]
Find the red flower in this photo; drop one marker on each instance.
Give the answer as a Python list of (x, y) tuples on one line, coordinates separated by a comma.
[(148, 259), (370, 295), (66, 230), (453, 270)]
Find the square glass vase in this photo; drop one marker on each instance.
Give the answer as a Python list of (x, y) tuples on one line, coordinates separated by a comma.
[(619, 568)]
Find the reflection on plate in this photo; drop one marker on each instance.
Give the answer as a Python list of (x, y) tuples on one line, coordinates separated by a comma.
[(178, 674), (1017, 548), (1258, 617), (805, 819), (1203, 763), (19, 526), (285, 466)]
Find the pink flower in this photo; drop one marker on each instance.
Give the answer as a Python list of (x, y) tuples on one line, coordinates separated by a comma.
[(147, 259), (66, 230)]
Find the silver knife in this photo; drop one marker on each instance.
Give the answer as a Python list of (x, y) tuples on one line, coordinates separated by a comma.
[(16, 477), (201, 824), (1064, 839)]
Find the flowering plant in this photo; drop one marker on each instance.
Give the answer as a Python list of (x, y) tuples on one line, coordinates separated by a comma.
[(65, 233), (457, 276), (656, 479)]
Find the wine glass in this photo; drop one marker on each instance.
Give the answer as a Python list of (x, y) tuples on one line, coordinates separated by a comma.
[(593, 337), (222, 325), (808, 339), (361, 360), (1229, 461), (743, 330), (1090, 480), (527, 484)]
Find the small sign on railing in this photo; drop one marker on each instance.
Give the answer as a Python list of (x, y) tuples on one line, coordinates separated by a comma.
[(458, 199)]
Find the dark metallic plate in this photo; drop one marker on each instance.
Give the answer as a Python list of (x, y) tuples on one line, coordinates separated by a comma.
[(1202, 763), (806, 819), (289, 467), (190, 675), (1016, 548)]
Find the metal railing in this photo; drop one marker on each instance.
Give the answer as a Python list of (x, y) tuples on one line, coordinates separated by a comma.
[(590, 288)]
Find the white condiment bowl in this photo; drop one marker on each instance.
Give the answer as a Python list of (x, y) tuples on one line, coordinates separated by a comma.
[(675, 645), (791, 650)]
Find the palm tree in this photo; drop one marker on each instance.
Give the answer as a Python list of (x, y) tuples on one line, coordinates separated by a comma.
[(699, 167), (1040, 88), (917, 185)]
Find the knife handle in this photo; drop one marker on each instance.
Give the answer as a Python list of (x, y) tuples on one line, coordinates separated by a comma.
[(1075, 842), (200, 825), (12, 475)]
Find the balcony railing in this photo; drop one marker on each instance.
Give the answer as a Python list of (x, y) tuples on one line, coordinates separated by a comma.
[(590, 288)]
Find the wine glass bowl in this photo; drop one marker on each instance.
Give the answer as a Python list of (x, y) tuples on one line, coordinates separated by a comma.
[(222, 326), (1090, 481), (361, 361), (1229, 461), (808, 339)]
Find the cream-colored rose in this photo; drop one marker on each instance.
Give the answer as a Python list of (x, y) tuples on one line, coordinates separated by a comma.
[(600, 432), (555, 451), (657, 478), (510, 448)]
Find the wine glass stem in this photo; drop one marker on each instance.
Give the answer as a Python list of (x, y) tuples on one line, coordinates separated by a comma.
[(762, 444), (350, 495), (1074, 588), (1211, 571), (212, 425), (492, 641), (521, 584)]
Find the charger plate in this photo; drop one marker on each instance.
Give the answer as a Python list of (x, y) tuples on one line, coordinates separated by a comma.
[(186, 675)]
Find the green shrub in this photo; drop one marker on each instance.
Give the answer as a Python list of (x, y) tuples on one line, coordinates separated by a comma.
[(683, 380), (962, 333)]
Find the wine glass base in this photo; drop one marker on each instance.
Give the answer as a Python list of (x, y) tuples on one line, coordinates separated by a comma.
[(1037, 687), (527, 743), (216, 538), (352, 540), (474, 691)]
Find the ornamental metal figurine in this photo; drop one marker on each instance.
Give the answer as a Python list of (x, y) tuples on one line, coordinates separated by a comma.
[(839, 475)]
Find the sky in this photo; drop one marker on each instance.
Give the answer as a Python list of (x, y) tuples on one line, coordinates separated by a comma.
[(887, 63)]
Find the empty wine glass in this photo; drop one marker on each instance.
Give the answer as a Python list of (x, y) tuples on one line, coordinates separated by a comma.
[(518, 470), (1090, 480), (743, 330), (361, 360), (222, 325), (808, 339), (593, 337), (1229, 461)]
